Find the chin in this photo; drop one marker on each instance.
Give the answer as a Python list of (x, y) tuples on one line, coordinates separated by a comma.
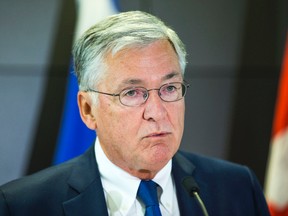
[(160, 157)]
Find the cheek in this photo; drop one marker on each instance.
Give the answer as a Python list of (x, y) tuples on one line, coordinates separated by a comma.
[(178, 114), (116, 123), (178, 123)]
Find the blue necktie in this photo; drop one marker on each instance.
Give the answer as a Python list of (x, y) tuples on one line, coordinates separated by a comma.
[(147, 192)]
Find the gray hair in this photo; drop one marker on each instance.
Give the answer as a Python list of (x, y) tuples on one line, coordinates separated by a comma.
[(115, 33)]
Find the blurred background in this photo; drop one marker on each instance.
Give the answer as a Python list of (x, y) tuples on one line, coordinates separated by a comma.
[(235, 51)]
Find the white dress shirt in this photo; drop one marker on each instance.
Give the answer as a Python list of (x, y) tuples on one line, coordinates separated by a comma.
[(120, 188)]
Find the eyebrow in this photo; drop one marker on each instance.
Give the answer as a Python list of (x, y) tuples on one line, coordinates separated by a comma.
[(171, 75)]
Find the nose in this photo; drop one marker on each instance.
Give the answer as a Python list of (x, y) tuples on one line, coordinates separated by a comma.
[(155, 109)]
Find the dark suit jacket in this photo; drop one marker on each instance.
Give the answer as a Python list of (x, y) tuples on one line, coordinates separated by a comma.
[(74, 188)]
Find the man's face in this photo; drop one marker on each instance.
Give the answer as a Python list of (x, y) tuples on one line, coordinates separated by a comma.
[(142, 139)]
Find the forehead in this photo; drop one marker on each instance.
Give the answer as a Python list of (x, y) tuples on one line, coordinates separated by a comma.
[(155, 62)]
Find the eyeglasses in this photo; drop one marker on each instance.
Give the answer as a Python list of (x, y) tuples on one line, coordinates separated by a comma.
[(136, 96)]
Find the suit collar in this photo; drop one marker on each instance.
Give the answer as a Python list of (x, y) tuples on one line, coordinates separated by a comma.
[(85, 180), (183, 163), (182, 168)]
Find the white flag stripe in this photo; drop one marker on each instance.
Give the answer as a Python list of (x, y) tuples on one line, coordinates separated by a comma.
[(90, 12), (277, 178)]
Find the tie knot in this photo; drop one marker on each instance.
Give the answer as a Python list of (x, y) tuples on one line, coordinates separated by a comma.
[(147, 192)]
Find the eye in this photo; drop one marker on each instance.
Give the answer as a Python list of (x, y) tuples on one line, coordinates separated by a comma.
[(170, 88), (136, 92), (130, 93)]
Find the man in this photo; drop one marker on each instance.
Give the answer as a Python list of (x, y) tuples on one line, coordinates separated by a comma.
[(130, 70)]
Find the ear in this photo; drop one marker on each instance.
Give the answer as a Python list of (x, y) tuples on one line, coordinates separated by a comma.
[(85, 105)]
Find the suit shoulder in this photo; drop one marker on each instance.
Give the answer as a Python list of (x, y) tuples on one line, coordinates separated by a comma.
[(215, 166), (39, 181), (44, 192)]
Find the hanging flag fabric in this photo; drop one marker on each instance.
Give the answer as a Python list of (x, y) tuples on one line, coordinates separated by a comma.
[(276, 185), (74, 137)]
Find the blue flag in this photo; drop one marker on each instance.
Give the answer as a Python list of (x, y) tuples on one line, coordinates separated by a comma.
[(74, 137)]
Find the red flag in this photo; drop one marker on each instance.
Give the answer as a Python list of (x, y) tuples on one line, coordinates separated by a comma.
[(276, 188)]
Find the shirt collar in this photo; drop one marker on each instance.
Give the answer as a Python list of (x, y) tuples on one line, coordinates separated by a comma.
[(121, 188)]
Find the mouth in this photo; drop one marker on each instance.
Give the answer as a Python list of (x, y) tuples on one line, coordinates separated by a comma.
[(157, 134)]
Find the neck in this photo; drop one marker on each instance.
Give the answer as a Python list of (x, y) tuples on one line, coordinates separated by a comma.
[(143, 174)]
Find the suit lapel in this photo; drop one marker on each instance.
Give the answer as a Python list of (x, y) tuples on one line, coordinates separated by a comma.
[(85, 179), (181, 169)]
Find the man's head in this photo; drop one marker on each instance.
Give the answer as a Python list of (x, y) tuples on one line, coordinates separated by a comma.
[(119, 58)]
